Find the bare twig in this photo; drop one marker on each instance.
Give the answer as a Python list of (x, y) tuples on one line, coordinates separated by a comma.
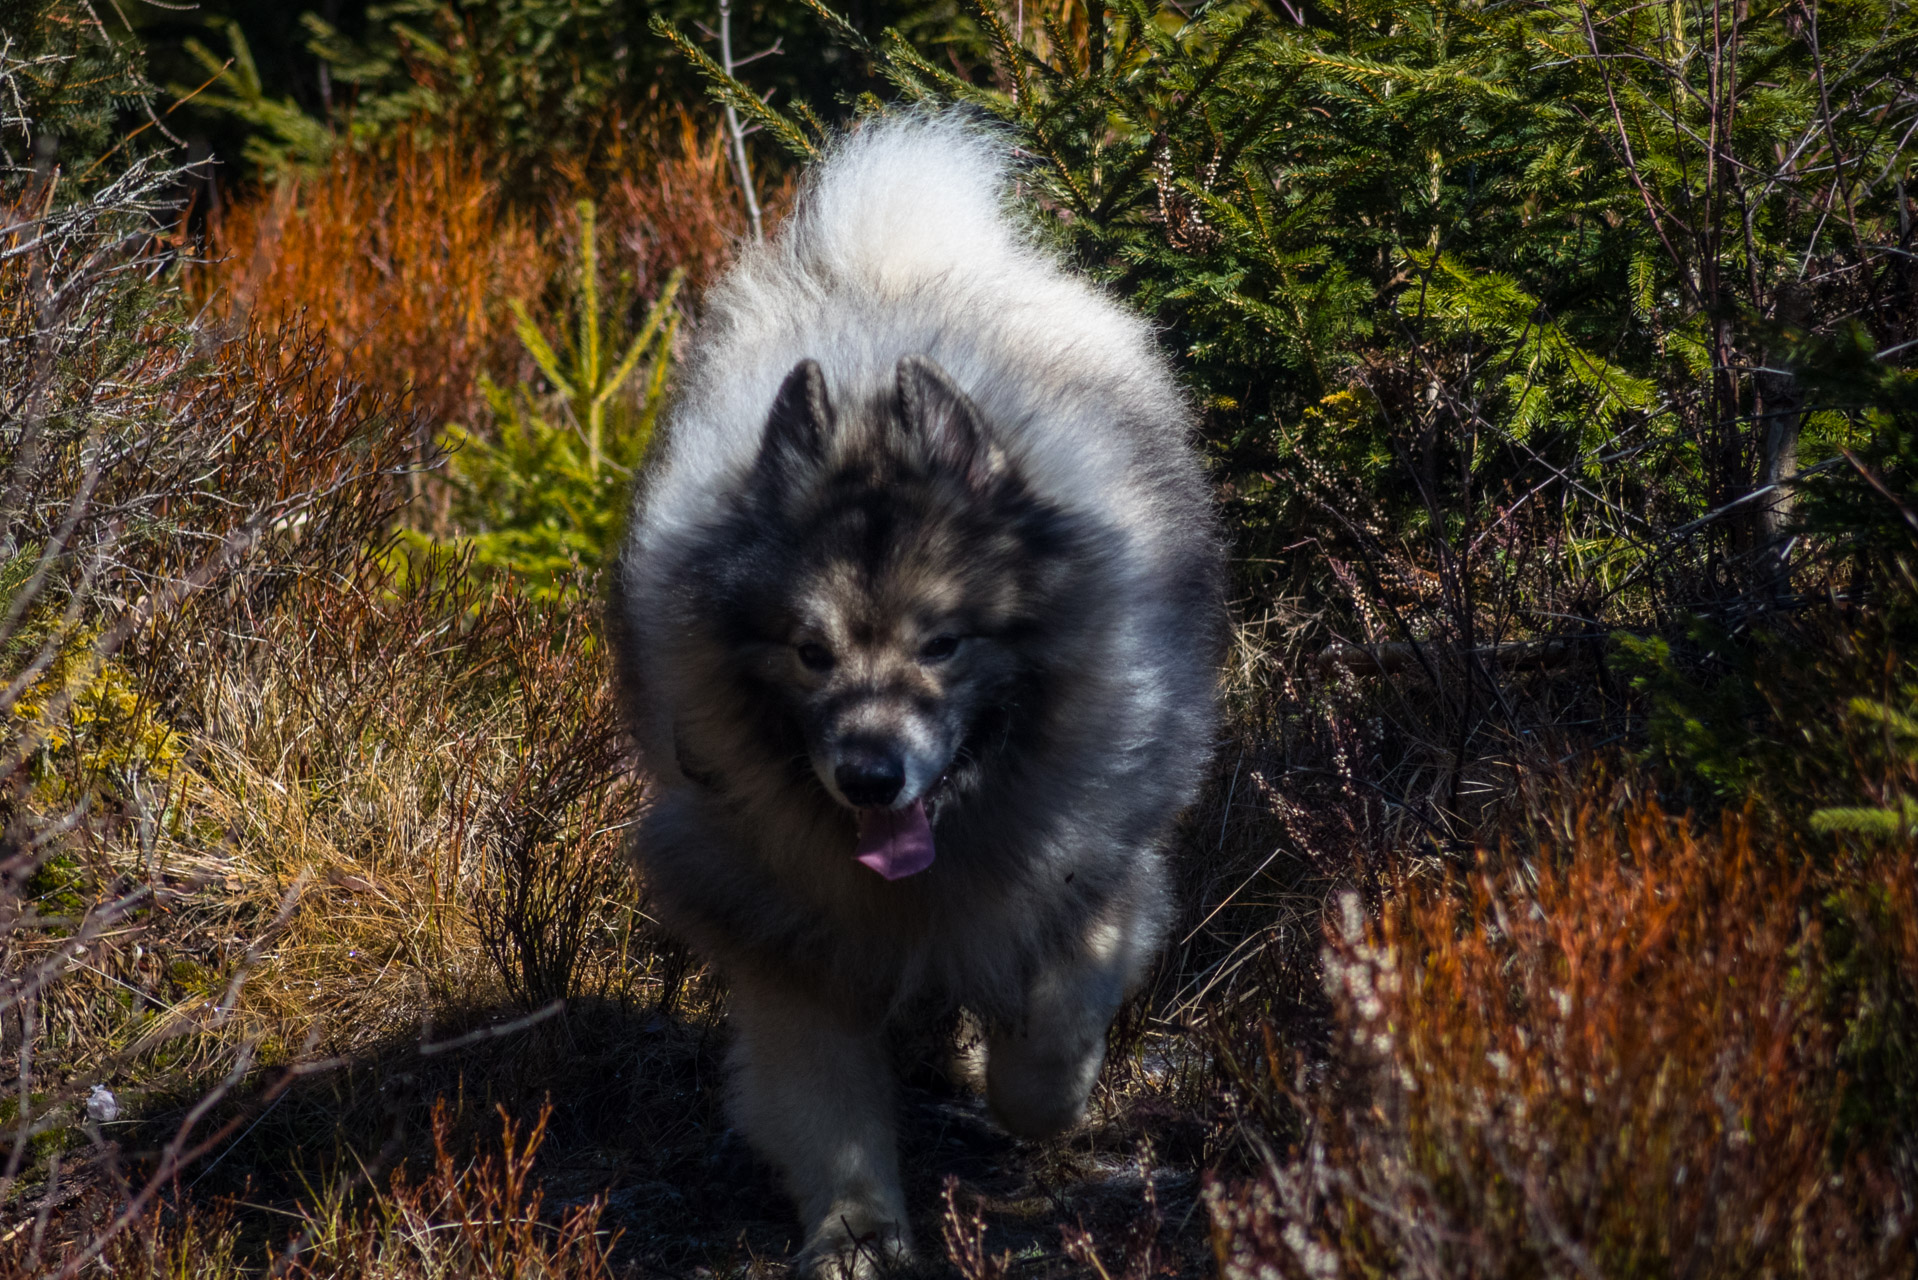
[(741, 167)]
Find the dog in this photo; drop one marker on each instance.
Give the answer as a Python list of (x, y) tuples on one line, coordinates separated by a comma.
[(918, 622)]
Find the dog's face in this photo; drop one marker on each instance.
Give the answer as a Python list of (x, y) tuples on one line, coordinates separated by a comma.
[(893, 583), (886, 673)]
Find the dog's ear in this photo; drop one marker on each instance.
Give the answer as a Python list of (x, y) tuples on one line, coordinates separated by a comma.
[(800, 421), (933, 408)]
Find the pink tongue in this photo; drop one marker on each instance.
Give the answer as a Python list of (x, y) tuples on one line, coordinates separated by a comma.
[(895, 842)]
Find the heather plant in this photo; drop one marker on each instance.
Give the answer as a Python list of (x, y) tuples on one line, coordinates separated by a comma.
[(1608, 1058)]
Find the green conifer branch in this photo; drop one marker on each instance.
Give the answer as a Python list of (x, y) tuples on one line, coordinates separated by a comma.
[(655, 318), (729, 91), (540, 349)]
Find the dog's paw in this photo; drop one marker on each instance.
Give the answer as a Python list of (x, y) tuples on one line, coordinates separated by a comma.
[(1036, 1093), (855, 1246)]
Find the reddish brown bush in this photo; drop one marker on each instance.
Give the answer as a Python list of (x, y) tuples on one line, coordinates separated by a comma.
[(405, 255), (1609, 1056), (408, 254), (676, 205)]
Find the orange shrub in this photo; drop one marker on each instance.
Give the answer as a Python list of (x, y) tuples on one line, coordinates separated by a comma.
[(405, 256), (408, 254), (1609, 1058)]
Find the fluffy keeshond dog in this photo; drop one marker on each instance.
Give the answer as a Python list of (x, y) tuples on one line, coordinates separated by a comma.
[(918, 622)]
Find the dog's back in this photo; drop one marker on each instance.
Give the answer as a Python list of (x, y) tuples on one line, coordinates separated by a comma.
[(902, 244)]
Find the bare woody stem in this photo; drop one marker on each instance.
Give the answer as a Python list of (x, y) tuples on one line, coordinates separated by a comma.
[(733, 129)]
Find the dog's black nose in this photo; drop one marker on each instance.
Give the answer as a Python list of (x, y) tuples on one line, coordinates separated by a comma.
[(871, 781)]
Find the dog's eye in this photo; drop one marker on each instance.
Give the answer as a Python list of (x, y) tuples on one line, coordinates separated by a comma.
[(939, 648), (817, 657)]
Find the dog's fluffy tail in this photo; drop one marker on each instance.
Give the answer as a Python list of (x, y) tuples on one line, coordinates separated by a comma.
[(905, 242), (910, 196)]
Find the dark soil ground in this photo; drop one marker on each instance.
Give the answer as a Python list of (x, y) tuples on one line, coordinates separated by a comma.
[(638, 1121)]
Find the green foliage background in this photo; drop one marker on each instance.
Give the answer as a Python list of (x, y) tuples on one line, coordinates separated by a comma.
[(552, 87)]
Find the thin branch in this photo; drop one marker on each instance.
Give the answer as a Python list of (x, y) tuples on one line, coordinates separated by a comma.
[(741, 166)]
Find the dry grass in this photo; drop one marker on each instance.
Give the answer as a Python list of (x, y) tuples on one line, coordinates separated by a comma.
[(331, 897), (405, 747)]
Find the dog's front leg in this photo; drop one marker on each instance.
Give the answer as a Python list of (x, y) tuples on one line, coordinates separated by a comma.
[(1040, 1072), (816, 1098)]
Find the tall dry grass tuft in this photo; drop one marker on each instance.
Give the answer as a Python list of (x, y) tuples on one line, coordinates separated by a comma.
[(440, 762), (1609, 1055), (404, 254), (551, 865), (482, 1218)]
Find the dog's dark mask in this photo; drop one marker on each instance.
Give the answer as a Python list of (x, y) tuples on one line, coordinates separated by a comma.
[(900, 564)]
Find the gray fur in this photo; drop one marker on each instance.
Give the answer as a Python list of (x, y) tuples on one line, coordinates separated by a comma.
[(905, 425)]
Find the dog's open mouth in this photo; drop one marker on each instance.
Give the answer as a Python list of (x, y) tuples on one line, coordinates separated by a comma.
[(895, 842), (898, 842)]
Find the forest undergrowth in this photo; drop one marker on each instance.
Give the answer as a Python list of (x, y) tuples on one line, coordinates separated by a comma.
[(1552, 910)]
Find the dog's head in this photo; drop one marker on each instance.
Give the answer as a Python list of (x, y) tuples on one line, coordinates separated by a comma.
[(891, 588)]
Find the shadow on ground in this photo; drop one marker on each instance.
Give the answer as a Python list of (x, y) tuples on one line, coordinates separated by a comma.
[(638, 1120)]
